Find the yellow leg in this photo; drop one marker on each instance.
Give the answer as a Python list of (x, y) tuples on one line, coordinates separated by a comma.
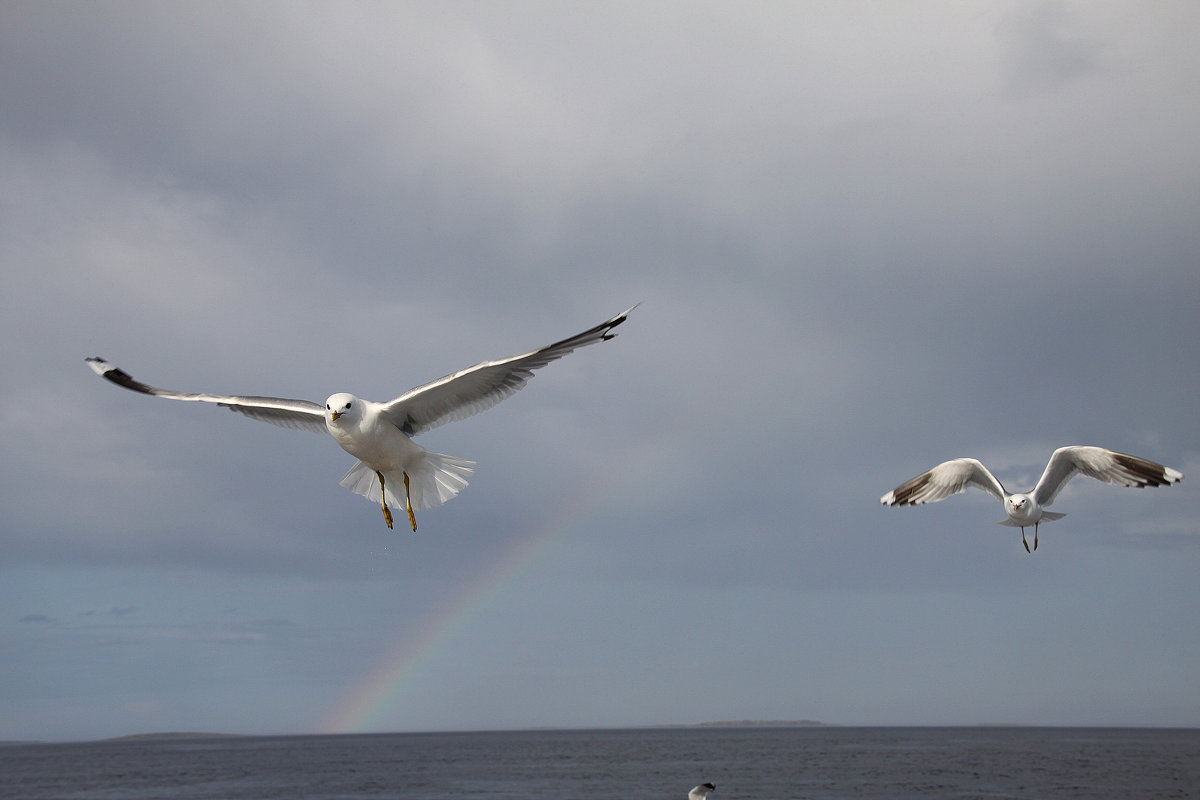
[(412, 518), (387, 514)]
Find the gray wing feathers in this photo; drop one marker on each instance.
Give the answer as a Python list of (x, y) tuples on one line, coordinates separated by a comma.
[(482, 386), (944, 480), (1103, 465), (298, 414)]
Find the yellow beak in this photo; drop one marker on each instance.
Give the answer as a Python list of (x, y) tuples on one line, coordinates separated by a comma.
[(334, 415)]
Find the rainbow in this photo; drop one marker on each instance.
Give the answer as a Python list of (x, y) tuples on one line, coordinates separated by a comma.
[(365, 705), (367, 702)]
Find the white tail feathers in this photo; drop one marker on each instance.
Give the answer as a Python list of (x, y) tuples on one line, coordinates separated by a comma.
[(433, 479), (1047, 516)]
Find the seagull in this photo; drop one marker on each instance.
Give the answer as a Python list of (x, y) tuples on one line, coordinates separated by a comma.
[(1029, 508), (701, 791), (380, 435)]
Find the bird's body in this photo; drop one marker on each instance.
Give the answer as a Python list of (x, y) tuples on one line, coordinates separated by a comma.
[(388, 459), (1029, 508), (700, 792), (380, 435)]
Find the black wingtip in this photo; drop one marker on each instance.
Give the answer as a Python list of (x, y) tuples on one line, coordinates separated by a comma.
[(615, 321), (117, 375), (99, 365), (1147, 473), (903, 495)]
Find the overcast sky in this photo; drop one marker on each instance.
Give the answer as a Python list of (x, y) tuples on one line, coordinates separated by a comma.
[(866, 237)]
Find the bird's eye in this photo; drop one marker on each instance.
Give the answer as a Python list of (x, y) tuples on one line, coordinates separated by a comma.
[(347, 405)]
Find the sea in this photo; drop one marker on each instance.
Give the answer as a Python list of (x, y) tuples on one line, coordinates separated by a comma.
[(745, 763)]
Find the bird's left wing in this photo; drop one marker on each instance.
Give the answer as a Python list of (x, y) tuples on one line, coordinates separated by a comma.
[(482, 386), (1103, 465), (300, 414)]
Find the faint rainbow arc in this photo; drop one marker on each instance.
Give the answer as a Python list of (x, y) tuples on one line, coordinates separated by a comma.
[(367, 702)]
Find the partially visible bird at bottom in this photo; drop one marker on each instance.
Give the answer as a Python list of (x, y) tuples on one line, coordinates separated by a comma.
[(700, 792)]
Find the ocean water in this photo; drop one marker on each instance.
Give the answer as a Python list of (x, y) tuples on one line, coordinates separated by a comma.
[(815, 763)]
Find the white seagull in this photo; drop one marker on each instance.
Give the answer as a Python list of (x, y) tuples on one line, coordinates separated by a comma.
[(379, 434), (701, 791), (1029, 508)]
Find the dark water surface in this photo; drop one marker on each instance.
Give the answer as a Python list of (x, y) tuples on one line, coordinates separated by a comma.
[(818, 763)]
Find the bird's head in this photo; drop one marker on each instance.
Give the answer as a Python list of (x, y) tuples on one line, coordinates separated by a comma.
[(1017, 503), (341, 405)]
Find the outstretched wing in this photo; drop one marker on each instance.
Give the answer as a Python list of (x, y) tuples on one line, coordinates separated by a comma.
[(1103, 465), (947, 478), (482, 386), (300, 414)]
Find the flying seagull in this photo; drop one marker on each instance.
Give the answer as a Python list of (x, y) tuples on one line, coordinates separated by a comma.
[(379, 434), (701, 791), (1029, 508)]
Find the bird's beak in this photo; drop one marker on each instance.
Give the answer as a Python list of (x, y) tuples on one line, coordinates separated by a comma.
[(334, 415)]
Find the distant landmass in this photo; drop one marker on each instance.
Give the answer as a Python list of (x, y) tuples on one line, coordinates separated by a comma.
[(734, 723), (737, 723), (765, 723), (172, 735)]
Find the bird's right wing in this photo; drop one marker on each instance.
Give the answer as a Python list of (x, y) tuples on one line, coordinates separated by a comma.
[(947, 478), (300, 414)]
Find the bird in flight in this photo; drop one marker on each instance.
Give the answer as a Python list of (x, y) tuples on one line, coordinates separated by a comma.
[(1029, 508), (380, 435), (701, 791)]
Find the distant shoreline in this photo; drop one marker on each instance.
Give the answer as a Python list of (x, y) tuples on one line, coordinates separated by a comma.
[(136, 737), (716, 724), (743, 723), (764, 723)]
